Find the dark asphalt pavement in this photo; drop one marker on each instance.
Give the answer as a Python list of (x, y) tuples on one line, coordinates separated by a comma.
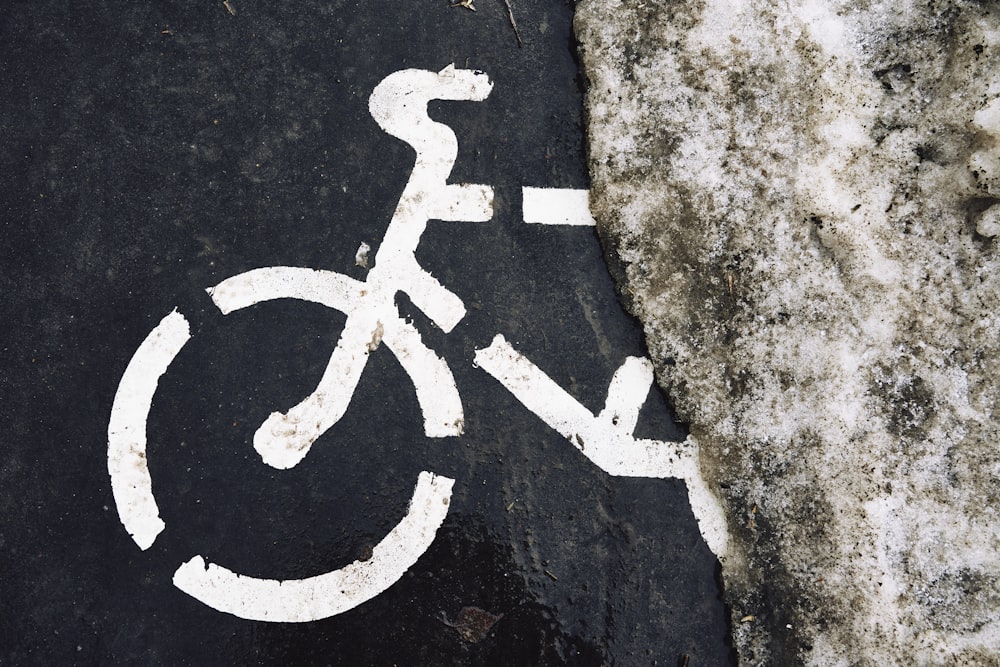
[(152, 149)]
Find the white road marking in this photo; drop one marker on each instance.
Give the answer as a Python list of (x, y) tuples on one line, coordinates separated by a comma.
[(130, 481), (301, 600), (606, 439), (333, 290), (557, 206), (437, 393), (443, 307), (399, 105), (283, 440)]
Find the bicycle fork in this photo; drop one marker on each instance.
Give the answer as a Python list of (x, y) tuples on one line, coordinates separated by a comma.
[(399, 105)]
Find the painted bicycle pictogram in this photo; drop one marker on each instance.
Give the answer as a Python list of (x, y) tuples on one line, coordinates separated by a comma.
[(399, 106)]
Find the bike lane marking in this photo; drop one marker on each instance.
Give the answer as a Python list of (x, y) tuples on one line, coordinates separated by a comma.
[(372, 318), (557, 206), (606, 439), (314, 598), (131, 484)]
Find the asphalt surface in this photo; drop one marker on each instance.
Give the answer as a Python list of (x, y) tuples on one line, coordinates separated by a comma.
[(151, 150)]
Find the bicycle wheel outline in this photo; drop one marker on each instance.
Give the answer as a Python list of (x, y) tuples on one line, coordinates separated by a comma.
[(296, 600)]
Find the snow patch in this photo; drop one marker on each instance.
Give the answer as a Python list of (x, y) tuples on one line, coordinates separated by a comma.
[(802, 200)]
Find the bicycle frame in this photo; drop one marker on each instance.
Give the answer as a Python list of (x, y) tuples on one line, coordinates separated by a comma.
[(399, 105)]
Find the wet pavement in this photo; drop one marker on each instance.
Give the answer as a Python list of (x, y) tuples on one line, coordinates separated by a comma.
[(154, 150)]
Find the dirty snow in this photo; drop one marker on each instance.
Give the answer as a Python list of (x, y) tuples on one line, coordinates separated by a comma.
[(800, 201)]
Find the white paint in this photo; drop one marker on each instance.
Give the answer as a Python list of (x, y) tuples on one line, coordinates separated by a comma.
[(557, 206), (314, 598), (705, 506), (284, 439), (606, 439), (399, 105), (130, 481), (437, 393), (326, 288)]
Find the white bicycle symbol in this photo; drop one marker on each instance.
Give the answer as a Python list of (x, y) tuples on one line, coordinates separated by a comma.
[(399, 105)]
